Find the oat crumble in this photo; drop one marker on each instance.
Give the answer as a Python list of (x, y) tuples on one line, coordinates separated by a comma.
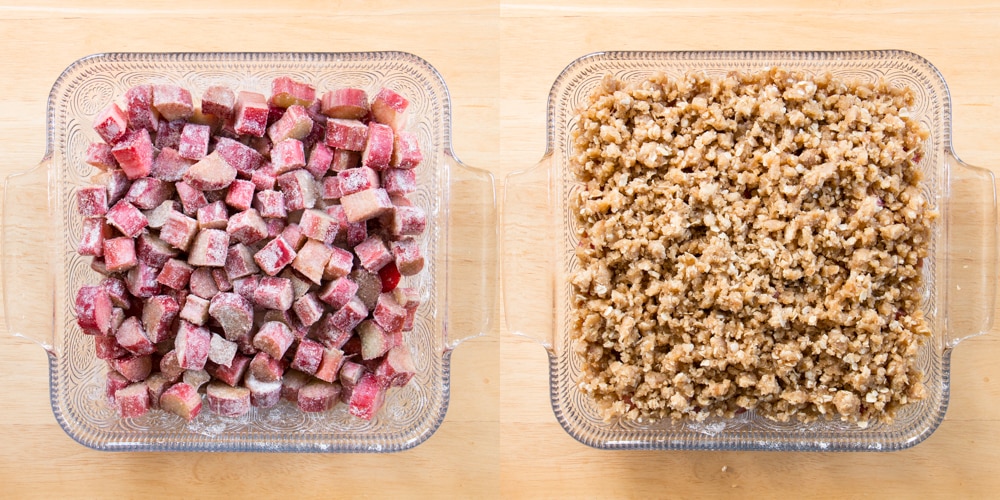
[(749, 242)]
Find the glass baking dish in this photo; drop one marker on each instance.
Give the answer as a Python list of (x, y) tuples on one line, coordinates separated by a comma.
[(539, 238), (41, 270)]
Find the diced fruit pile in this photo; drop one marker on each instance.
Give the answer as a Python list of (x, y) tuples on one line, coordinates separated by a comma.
[(252, 248)]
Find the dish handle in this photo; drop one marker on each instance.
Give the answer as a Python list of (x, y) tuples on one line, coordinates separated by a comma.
[(472, 250), (528, 256), (972, 251), (26, 248)]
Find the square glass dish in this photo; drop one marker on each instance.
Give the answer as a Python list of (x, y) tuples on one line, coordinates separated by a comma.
[(539, 239), (42, 271)]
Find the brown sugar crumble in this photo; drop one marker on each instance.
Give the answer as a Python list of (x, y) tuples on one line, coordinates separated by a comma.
[(749, 242)]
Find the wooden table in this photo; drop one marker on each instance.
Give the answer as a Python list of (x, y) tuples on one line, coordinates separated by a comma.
[(500, 437)]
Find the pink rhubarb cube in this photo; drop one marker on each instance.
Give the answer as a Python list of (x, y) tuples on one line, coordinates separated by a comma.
[(312, 259), (351, 135), (389, 108), (367, 397), (183, 400), (221, 278), (274, 256), (275, 227), (153, 251), (243, 158), (169, 165), (308, 309), (116, 182), (396, 368), (299, 188), (117, 291), (232, 374), (375, 340), (175, 274), (350, 316), (329, 366), (292, 233), (111, 124), (263, 394), (115, 382), (286, 92), (213, 216), (406, 153), (210, 173), (251, 114), (308, 356), (344, 159), (173, 102), (139, 108), (127, 219), (221, 351), (227, 401), (274, 293), (239, 262), (194, 141), (397, 181), (319, 160), (247, 227), (141, 280), (240, 194), (292, 383), (179, 230), (409, 258), (347, 103), (340, 264), (168, 134), (373, 253), (411, 220), (218, 100), (330, 188), (318, 396), (132, 401), (134, 153), (133, 368), (358, 179), (99, 155), (92, 236), (233, 312), (266, 368), (338, 292), (295, 123), (92, 201), (93, 310), (147, 193), (246, 285), (133, 337), (263, 179), (273, 338), (356, 233), (192, 345), (351, 373), (158, 317), (319, 226), (191, 198), (119, 254), (202, 283), (366, 204), (388, 313), (288, 155), (271, 204), (195, 310), (378, 148), (209, 248)]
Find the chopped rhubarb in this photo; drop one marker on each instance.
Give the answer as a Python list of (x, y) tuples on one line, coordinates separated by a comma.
[(274, 293), (195, 310), (320, 158), (179, 230), (181, 399), (158, 317), (247, 227), (396, 368), (286, 92), (218, 100), (274, 256), (210, 173), (308, 309), (228, 401), (373, 254), (111, 124), (351, 135), (367, 397), (389, 108), (231, 374), (358, 179), (93, 309), (92, 236), (243, 158), (263, 394), (127, 219), (266, 368), (406, 151), (288, 155), (132, 401), (191, 198), (299, 188), (173, 102), (378, 149), (308, 356), (340, 264), (92, 201), (295, 123), (348, 103), (168, 134), (209, 248), (119, 254), (153, 250), (251, 114), (194, 141), (133, 368), (291, 383), (192, 345), (213, 216), (141, 280), (312, 259), (147, 193), (99, 155), (344, 159), (318, 396), (409, 258), (351, 315), (410, 220), (329, 366), (202, 283), (233, 312), (240, 194), (221, 351), (271, 204), (366, 204), (273, 338), (397, 181)]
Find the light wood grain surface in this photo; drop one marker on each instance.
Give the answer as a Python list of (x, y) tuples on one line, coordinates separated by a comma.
[(500, 437)]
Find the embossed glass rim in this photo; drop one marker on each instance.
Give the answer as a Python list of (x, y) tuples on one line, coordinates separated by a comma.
[(915, 423), (432, 398)]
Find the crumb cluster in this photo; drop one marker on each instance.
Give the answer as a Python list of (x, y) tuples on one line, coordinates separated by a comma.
[(749, 242)]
